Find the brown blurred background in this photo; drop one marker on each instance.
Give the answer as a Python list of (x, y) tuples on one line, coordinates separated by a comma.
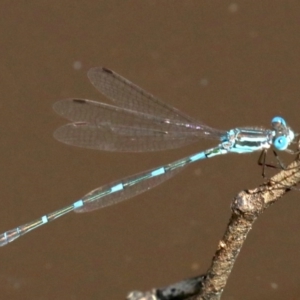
[(226, 63)]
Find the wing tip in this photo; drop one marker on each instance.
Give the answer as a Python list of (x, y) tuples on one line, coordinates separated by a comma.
[(107, 70), (99, 69)]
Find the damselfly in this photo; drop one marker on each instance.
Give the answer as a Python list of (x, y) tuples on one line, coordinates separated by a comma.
[(139, 122)]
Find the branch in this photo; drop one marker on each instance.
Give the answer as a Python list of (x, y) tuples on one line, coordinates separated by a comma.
[(246, 207)]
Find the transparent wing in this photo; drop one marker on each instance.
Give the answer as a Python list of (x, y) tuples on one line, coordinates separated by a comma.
[(129, 187), (116, 138), (128, 95), (140, 122), (102, 114)]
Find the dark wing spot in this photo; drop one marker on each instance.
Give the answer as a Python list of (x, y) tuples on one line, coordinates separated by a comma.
[(107, 70), (79, 101)]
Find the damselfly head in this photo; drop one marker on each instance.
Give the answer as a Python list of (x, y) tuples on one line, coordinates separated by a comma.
[(283, 135)]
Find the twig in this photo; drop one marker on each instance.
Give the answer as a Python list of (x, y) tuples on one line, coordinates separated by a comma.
[(246, 207)]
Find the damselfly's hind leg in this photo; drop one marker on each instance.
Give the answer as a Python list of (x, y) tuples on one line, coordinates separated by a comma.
[(262, 161)]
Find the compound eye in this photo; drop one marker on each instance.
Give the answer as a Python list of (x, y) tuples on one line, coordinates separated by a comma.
[(279, 120), (280, 143)]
